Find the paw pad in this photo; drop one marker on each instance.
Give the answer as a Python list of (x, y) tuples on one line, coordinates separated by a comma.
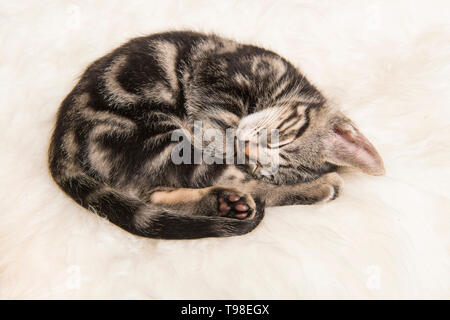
[(234, 206)]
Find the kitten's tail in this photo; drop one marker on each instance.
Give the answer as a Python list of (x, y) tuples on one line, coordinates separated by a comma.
[(166, 225), (139, 218)]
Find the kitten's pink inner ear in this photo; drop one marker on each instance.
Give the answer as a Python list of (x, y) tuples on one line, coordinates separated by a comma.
[(349, 147)]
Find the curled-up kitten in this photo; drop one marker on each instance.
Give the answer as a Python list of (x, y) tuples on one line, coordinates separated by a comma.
[(113, 146)]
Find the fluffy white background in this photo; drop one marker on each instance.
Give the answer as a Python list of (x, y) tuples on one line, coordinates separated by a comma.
[(385, 63)]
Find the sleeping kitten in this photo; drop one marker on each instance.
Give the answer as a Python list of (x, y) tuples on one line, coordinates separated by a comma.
[(113, 146)]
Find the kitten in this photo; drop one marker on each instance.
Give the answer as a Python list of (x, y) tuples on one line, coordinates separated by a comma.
[(113, 145)]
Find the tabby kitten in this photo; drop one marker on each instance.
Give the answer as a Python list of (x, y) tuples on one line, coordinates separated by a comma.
[(112, 146)]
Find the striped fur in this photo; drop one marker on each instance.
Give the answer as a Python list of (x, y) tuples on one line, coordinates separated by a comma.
[(111, 146)]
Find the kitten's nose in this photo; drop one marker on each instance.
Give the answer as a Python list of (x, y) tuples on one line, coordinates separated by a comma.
[(251, 149), (251, 156)]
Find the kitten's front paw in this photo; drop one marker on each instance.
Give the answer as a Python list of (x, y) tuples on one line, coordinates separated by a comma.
[(330, 185), (233, 204)]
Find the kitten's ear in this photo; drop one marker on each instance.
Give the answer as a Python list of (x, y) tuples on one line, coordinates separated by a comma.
[(346, 146)]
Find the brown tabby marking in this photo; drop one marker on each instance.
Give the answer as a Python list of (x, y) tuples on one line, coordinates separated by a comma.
[(112, 147)]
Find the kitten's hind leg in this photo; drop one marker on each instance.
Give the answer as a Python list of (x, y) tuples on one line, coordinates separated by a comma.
[(212, 201), (324, 189)]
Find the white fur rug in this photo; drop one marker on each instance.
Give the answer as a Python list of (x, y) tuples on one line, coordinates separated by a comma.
[(385, 63)]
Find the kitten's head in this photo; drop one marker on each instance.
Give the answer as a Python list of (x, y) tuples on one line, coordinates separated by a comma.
[(313, 139)]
